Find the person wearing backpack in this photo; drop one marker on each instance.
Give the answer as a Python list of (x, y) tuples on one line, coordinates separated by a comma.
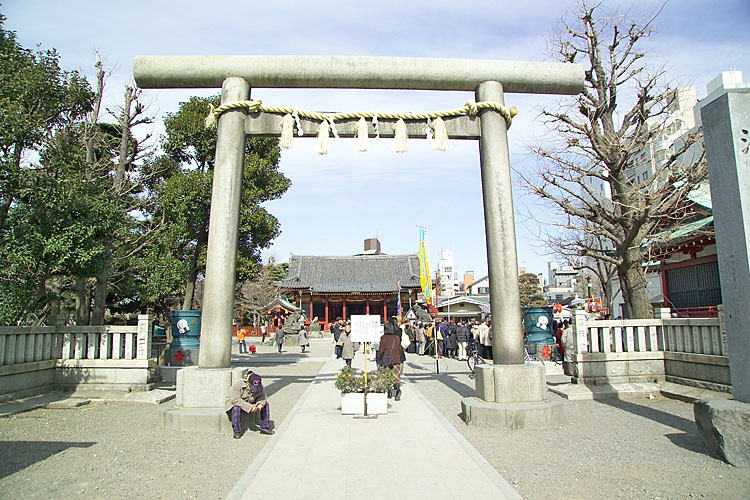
[(392, 356)]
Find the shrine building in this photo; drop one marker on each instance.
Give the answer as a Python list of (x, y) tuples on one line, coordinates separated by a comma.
[(328, 287)]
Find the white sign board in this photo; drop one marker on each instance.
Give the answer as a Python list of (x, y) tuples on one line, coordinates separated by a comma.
[(366, 328)]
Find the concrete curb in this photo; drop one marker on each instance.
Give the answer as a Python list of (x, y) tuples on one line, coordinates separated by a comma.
[(507, 490), (243, 483), (605, 391), (688, 394)]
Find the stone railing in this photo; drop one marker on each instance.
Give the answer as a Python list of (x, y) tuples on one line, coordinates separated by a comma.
[(686, 350), (37, 359)]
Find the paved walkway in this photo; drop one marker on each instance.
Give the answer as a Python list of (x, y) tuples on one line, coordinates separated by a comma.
[(412, 452)]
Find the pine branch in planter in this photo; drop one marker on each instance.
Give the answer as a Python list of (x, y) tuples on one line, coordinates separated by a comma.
[(349, 380), (380, 380)]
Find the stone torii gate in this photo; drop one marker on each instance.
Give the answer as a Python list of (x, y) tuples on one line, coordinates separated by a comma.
[(509, 391)]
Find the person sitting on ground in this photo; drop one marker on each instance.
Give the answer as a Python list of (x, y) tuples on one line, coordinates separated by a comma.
[(247, 395)]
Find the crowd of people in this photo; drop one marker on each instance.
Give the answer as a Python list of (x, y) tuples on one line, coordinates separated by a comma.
[(451, 339)]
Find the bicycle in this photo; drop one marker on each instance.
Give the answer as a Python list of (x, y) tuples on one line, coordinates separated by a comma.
[(536, 357), (527, 358), (474, 358)]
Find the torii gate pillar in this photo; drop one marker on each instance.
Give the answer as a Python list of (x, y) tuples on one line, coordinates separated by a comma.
[(509, 392)]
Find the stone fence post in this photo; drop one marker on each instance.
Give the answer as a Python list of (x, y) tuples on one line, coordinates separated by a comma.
[(580, 331), (145, 331), (662, 313)]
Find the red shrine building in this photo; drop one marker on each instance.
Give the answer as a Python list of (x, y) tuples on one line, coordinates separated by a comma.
[(328, 287)]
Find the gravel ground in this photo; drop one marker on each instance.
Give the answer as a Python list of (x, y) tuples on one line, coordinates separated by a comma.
[(118, 450), (634, 449)]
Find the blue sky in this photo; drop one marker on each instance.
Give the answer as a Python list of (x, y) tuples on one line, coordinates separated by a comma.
[(338, 200)]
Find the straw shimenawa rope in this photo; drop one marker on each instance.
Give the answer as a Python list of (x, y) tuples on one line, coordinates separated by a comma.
[(327, 121)]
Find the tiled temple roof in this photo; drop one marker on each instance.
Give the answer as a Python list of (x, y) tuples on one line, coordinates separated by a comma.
[(359, 273), (280, 302)]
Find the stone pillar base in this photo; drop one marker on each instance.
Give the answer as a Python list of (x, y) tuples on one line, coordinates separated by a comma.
[(512, 397), (524, 383), (199, 405), (542, 415), (724, 426)]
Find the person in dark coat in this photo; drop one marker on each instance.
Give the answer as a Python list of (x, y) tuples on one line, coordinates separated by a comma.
[(411, 332), (463, 337), (390, 343), (451, 340), (247, 395), (441, 329), (279, 337), (392, 328)]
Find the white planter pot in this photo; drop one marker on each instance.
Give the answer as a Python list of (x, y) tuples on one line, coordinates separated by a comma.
[(352, 403), (377, 404)]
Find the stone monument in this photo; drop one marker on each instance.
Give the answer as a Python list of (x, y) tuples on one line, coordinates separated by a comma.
[(725, 425)]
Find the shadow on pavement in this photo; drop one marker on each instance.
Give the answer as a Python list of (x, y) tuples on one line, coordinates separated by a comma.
[(688, 439), (692, 442), (662, 417), (31, 403), (278, 382), (17, 455), (448, 379)]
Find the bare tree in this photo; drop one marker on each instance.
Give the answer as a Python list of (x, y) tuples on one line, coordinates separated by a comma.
[(255, 293), (622, 110), (568, 245), (125, 187)]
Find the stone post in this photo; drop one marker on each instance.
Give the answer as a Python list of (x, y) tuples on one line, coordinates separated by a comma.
[(663, 313), (726, 126), (724, 425), (221, 260), (502, 263), (145, 332), (581, 331)]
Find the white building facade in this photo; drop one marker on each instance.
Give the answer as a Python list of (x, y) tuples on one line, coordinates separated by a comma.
[(562, 283), (449, 283)]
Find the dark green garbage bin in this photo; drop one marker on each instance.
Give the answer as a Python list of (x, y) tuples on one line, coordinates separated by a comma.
[(185, 345), (537, 323)]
